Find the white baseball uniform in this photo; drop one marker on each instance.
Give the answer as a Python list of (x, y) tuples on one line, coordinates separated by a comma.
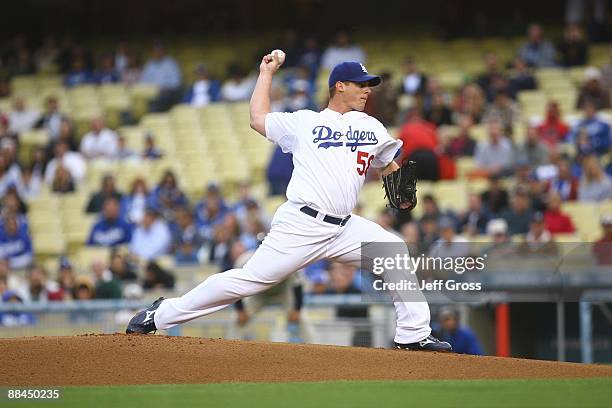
[(331, 155)]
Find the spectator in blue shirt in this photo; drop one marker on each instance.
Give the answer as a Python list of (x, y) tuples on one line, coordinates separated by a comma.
[(15, 243), (107, 74), (186, 239), (110, 230), (79, 75), (164, 72), (167, 196), (462, 339), (591, 134), (537, 52), (150, 151), (317, 275), (204, 90), (15, 318), (210, 211)]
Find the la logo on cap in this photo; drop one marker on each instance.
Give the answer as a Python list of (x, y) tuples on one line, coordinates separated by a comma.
[(363, 68)]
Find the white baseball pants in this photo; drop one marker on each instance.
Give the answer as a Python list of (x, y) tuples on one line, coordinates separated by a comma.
[(295, 240)]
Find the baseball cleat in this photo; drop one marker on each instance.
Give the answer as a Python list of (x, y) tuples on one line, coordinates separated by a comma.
[(143, 322), (429, 343)]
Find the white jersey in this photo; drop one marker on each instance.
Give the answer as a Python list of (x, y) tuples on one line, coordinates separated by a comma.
[(332, 153)]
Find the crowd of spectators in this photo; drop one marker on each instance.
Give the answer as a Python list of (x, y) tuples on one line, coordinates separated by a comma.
[(529, 178)]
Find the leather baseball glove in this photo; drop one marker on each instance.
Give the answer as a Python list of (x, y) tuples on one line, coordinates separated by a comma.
[(400, 187)]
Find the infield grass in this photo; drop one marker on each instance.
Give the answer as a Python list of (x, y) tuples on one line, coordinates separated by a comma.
[(381, 394)]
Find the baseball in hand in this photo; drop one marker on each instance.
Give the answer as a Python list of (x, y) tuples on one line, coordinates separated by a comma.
[(280, 55)]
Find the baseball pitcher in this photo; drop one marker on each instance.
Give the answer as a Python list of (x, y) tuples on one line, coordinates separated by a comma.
[(332, 152)]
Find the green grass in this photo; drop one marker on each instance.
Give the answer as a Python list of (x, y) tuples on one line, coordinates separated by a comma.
[(380, 394)]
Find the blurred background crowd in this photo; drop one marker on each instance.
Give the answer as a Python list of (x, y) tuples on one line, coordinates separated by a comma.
[(123, 161)]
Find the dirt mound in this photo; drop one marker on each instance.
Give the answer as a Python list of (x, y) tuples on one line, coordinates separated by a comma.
[(122, 359)]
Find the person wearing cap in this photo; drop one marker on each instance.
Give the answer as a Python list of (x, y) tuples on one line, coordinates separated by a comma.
[(450, 244), (501, 247), (204, 90), (462, 338), (299, 96), (332, 151), (497, 230), (538, 239), (602, 249), (593, 90)]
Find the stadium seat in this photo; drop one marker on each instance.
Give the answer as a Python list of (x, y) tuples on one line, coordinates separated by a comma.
[(464, 166), (584, 216), (89, 254), (605, 207), (451, 195), (48, 244), (141, 95)]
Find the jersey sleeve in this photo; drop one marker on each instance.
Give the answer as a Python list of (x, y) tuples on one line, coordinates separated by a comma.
[(386, 151), (281, 128)]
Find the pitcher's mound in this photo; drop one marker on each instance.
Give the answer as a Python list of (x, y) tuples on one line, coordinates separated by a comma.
[(122, 359)]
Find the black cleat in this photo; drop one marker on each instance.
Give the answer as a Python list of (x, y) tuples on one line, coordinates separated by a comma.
[(429, 343), (143, 322)]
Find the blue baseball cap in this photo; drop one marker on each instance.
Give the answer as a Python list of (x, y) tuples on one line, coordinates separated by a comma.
[(353, 72)]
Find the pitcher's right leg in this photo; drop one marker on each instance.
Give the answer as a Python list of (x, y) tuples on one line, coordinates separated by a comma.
[(294, 241)]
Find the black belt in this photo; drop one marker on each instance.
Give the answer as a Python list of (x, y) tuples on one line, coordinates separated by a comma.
[(328, 218)]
